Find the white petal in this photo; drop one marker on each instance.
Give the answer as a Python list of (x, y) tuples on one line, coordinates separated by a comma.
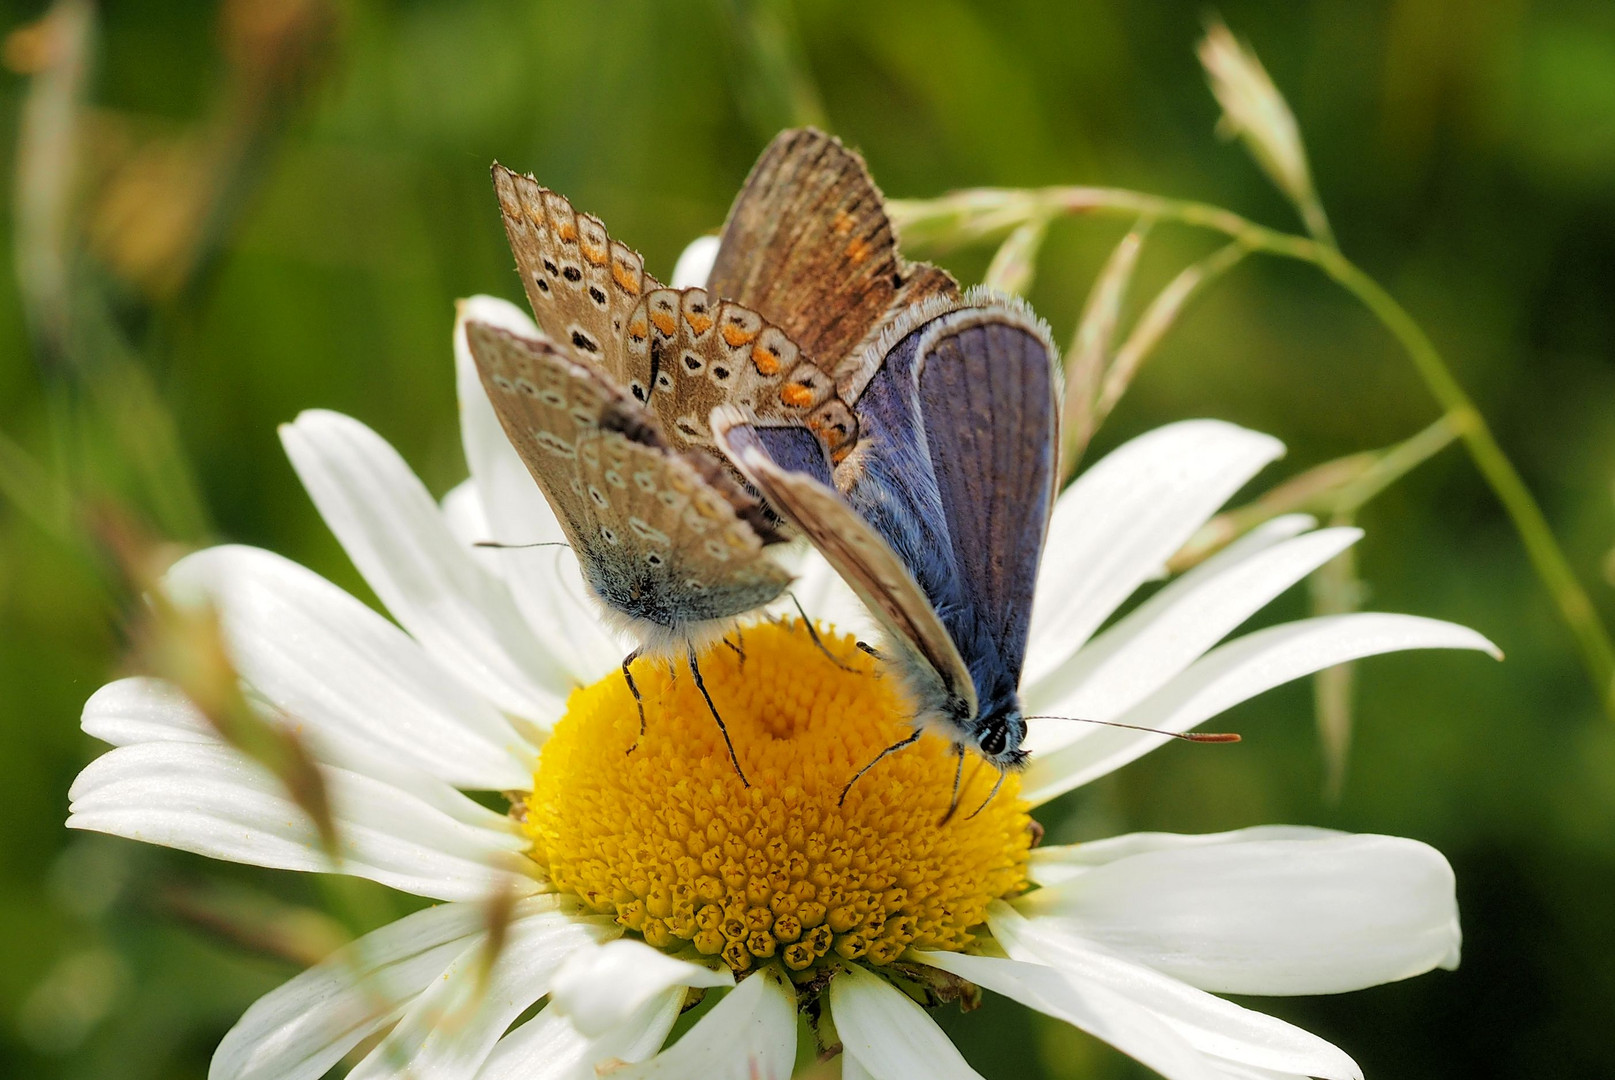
[(300, 1030), (1061, 862), (140, 709), (598, 988), (1116, 526), (545, 581), (143, 710), (548, 1047), (1233, 672), (213, 801), (1319, 915), (463, 514), (890, 1036), (825, 597), (695, 263), (749, 1035), (1168, 632), (396, 536), (1208, 1023), (449, 1031), (1102, 1013), (338, 667)]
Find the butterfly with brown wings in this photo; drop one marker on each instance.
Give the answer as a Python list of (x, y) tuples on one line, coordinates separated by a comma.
[(609, 407)]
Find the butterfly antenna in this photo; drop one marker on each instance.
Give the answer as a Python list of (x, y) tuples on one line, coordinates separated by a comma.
[(990, 795), (958, 772), (1186, 736), (633, 688), (514, 547), (814, 634), (892, 749), (700, 684)]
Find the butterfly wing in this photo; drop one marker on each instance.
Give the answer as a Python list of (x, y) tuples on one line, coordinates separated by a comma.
[(665, 539), (808, 244), (691, 353), (986, 382), (581, 283), (859, 554)]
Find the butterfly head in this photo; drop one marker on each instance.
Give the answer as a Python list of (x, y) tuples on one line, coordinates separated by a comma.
[(998, 732)]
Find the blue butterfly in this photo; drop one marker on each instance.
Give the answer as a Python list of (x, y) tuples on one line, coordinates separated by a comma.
[(937, 518)]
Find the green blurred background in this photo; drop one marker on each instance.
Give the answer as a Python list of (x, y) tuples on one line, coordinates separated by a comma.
[(274, 204)]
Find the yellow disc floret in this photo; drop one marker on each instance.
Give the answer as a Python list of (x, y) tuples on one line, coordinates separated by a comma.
[(660, 831)]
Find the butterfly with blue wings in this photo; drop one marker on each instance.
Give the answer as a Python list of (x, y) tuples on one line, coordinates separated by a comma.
[(937, 518), (936, 515)]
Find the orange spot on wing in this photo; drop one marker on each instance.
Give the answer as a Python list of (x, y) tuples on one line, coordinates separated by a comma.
[(796, 395), (857, 251), (842, 223), (637, 329), (664, 322), (765, 362), (626, 281), (567, 231), (698, 321), (596, 254), (737, 336)]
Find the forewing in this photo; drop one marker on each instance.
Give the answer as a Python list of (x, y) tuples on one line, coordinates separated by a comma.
[(661, 537), (987, 391), (581, 284), (689, 353), (856, 550), (808, 244)]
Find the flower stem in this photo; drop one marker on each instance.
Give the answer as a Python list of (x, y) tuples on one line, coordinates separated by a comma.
[(976, 213)]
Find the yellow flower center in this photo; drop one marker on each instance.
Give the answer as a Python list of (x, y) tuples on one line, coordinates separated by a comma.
[(664, 835)]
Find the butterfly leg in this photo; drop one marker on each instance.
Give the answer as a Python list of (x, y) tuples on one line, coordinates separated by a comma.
[(958, 772), (700, 684), (892, 749), (814, 634), (869, 650), (737, 646), (990, 794), (633, 688)]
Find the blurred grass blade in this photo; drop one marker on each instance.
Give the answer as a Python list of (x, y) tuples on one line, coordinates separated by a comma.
[(498, 910), (1014, 264), (255, 921), (183, 643), (1090, 347), (1255, 112), (965, 217), (1336, 488), (56, 53), (774, 88), (1312, 491), (1336, 590), (31, 489), (1157, 320)]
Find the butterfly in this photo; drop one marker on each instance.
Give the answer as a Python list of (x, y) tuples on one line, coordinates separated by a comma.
[(937, 517), (609, 409)]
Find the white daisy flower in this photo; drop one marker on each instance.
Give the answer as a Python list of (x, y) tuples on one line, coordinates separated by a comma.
[(646, 878)]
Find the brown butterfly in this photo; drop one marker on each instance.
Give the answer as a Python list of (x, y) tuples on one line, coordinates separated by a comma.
[(609, 408)]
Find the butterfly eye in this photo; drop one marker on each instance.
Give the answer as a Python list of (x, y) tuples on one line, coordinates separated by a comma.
[(996, 737)]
